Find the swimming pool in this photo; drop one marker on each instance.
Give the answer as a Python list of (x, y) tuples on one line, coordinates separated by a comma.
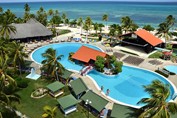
[(126, 87), (171, 68)]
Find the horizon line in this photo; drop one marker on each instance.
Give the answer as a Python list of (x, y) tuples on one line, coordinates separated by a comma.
[(88, 1)]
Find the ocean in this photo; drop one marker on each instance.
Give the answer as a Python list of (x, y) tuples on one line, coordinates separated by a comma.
[(142, 13)]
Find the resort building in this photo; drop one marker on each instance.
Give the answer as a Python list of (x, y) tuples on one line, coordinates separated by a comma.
[(30, 31), (55, 89), (65, 76), (78, 87), (68, 104), (96, 103), (142, 38), (87, 55)]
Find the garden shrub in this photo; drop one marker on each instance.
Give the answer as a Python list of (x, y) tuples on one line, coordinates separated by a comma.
[(22, 83), (99, 63)]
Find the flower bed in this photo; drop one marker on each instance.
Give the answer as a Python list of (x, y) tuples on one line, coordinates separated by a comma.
[(39, 93)]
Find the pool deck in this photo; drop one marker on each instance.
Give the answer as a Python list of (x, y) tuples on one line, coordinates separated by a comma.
[(145, 64)]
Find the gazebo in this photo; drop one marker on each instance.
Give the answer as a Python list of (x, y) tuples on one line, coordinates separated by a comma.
[(55, 89), (97, 102), (65, 76), (68, 104), (79, 88)]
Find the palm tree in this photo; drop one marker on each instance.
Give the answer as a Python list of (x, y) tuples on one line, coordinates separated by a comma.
[(56, 13), (1, 10), (148, 28), (3, 50), (17, 54), (49, 112), (170, 20), (50, 64), (105, 18), (157, 106), (80, 23), (6, 24), (51, 13), (42, 16), (163, 31), (100, 25), (26, 16), (87, 25), (64, 17), (96, 27), (115, 30), (128, 25)]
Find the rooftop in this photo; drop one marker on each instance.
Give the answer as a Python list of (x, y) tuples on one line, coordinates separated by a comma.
[(97, 101), (55, 86), (78, 86), (148, 37), (85, 54), (67, 101), (31, 28)]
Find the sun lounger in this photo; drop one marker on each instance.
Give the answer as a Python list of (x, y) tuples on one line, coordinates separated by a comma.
[(164, 71)]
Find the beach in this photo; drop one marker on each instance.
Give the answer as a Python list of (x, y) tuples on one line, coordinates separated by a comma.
[(141, 12)]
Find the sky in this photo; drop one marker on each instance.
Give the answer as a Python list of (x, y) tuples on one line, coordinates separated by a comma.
[(88, 0)]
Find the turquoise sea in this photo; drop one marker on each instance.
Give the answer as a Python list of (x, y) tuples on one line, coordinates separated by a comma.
[(141, 12)]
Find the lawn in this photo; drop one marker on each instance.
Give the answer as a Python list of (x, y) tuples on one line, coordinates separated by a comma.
[(34, 107)]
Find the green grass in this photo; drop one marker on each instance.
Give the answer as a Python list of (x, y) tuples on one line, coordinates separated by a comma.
[(64, 31), (157, 54), (34, 107)]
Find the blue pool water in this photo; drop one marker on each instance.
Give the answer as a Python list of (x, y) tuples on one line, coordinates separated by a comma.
[(172, 68), (125, 87)]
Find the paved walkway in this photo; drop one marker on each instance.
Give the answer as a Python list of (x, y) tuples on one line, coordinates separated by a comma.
[(145, 64)]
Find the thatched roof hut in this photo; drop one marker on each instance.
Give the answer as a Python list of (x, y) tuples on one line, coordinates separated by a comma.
[(30, 30)]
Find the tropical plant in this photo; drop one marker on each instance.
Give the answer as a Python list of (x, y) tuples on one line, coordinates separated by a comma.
[(87, 25), (100, 25), (148, 28), (99, 63), (17, 55), (115, 30), (1, 10), (5, 79), (73, 23), (157, 105), (117, 67), (105, 18), (26, 16), (51, 66), (70, 56), (170, 20), (64, 17), (41, 16), (95, 27), (128, 25), (80, 23), (163, 31), (49, 112), (6, 24), (3, 50)]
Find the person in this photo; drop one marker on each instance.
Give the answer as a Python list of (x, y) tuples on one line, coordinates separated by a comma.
[(102, 88), (107, 92)]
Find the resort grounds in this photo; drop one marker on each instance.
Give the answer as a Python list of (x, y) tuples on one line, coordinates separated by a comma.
[(123, 55)]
